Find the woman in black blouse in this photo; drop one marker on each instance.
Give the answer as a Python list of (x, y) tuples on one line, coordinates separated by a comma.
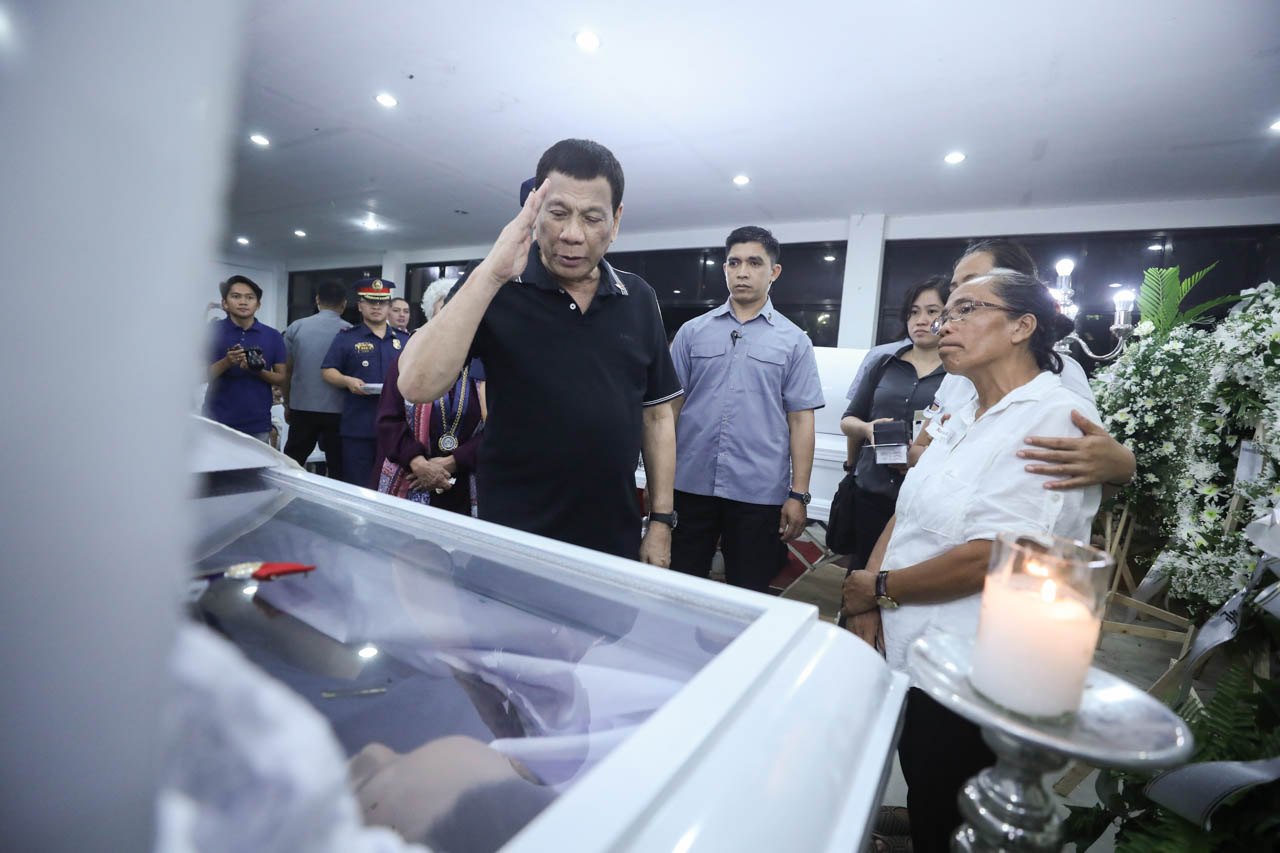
[(894, 388)]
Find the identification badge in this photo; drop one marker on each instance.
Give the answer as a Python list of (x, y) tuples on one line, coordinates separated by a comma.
[(364, 347), (364, 364), (917, 423), (395, 342)]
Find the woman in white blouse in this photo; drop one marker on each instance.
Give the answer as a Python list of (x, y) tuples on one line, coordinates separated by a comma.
[(927, 570)]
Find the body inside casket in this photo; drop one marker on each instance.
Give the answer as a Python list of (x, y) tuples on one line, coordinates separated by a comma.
[(652, 710)]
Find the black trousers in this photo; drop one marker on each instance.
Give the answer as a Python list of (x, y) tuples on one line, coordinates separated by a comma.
[(871, 512), (747, 533), (305, 429), (939, 752)]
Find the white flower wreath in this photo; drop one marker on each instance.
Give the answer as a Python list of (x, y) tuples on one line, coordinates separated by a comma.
[(1182, 401)]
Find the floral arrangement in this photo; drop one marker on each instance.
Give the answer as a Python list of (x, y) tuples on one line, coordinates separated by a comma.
[(1183, 399)]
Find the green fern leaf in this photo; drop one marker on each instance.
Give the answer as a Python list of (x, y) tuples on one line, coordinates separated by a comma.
[(1192, 313), (1193, 280), (1171, 298), (1149, 295)]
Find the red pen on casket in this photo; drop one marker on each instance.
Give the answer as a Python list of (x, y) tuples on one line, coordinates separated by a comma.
[(265, 571)]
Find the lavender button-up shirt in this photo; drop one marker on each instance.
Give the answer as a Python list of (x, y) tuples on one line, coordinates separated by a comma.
[(740, 381)]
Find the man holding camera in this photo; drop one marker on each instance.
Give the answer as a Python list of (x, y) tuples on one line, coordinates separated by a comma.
[(247, 358)]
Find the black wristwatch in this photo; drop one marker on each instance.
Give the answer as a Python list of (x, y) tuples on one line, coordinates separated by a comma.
[(668, 518), (804, 497), (846, 466), (883, 598)]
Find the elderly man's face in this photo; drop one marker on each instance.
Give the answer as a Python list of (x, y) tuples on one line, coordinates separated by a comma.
[(576, 226)]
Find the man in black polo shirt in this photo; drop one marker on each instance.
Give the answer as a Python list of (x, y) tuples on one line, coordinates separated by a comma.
[(579, 375)]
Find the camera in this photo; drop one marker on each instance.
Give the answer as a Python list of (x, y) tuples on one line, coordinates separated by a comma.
[(253, 358)]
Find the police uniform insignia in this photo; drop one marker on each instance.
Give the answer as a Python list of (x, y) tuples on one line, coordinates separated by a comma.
[(364, 364), (377, 284), (395, 342), (364, 346)]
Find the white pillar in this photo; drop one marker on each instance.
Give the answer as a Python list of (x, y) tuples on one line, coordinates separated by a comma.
[(860, 299), (393, 267), (116, 121)]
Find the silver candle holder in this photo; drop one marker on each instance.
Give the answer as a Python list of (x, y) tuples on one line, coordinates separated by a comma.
[(1007, 807), (1121, 326)]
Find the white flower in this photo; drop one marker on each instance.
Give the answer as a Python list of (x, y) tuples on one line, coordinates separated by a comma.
[(1146, 327)]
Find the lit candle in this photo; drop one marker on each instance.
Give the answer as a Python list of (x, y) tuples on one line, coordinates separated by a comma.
[(1035, 642)]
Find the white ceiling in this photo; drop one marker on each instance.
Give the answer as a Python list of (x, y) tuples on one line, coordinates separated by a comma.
[(830, 107)]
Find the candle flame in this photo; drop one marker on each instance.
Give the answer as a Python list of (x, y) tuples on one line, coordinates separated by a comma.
[(1037, 570), (1047, 592)]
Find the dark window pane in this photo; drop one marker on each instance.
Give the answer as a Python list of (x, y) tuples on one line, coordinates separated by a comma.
[(690, 282), (303, 283), (1246, 257)]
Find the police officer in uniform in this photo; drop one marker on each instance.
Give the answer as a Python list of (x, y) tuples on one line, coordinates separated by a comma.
[(359, 357)]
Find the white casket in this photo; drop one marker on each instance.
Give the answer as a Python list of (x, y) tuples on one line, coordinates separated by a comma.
[(663, 711)]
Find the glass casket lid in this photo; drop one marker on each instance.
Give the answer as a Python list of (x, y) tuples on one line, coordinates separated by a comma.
[(415, 626)]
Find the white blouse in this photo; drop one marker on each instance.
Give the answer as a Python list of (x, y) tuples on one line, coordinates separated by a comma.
[(970, 484)]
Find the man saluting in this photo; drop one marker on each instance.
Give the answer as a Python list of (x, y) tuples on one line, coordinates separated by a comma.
[(579, 376)]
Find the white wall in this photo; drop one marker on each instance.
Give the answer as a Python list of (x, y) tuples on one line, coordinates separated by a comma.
[(1194, 213), (865, 234)]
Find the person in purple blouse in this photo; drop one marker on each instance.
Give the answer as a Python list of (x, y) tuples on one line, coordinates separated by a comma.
[(428, 450)]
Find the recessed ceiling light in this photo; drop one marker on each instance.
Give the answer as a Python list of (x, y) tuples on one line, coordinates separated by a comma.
[(1275, 125), (954, 157), (588, 41), (711, 262), (368, 651), (243, 241), (1156, 247), (828, 257), (386, 100), (259, 139), (298, 232), (370, 223), (1065, 266), (1115, 284), (675, 291), (741, 180)]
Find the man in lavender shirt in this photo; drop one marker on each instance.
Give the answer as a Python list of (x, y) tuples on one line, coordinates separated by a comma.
[(744, 429)]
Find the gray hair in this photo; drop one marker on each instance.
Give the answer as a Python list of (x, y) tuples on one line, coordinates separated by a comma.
[(436, 291)]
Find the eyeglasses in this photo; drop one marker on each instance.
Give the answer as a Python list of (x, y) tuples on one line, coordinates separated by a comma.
[(961, 312)]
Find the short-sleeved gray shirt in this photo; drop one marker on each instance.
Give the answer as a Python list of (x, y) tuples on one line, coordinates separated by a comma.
[(740, 381), (307, 341)]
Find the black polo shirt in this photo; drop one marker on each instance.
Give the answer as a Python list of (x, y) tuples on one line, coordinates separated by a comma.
[(566, 394)]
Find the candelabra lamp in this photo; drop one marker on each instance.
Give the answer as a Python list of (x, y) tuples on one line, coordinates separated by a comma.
[(1121, 326)]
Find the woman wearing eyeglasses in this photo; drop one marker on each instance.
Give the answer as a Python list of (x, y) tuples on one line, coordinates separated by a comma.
[(927, 569)]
